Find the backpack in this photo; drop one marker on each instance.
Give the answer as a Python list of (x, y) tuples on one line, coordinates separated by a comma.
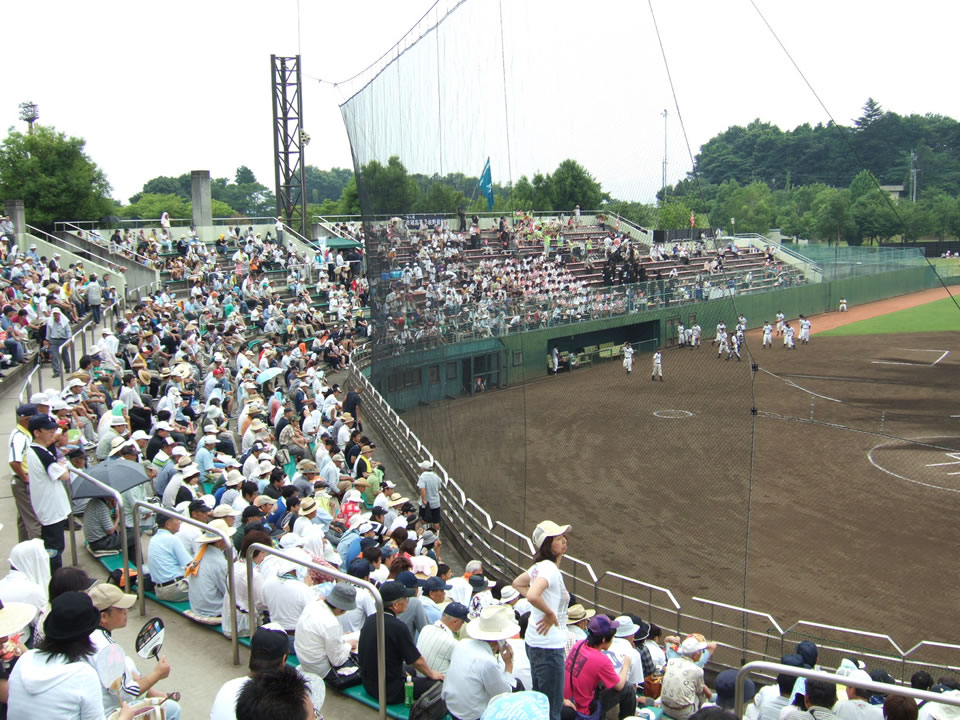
[(430, 705)]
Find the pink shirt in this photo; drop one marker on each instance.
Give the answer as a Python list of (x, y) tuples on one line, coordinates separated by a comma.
[(586, 669)]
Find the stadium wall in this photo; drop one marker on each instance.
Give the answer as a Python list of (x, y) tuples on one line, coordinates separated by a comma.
[(426, 376)]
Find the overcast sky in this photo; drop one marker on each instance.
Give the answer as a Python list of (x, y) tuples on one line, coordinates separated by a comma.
[(165, 88)]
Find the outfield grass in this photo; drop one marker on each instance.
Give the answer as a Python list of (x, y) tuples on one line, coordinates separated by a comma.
[(938, 316)]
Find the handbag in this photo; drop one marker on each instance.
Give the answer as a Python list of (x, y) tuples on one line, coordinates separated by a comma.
[(430, 705), (345, 676), (652, 685)]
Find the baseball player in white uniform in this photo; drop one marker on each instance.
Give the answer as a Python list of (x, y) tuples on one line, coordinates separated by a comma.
[(734, 347), (627, 357), (688, 339), (767, 335), (681, 337), (657, 366), (697, 332), (722, 342), (805, 326), (788, 333), (781, 318), (843, 304), (721, 330)]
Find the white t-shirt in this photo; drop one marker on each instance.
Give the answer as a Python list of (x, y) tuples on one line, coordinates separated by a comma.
[(47, 492), (557, 599), (286, 597)]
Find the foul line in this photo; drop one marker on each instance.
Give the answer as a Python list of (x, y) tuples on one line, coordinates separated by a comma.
[(799, 387), (914, 364)]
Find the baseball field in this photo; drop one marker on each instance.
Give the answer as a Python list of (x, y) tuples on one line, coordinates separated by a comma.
[(822, 485)]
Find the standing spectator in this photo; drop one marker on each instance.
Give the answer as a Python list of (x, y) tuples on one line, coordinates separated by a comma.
[(48, 495), (429, 486), (683, 690), (94, 298), (546, 635), (476, 674), (28, 527), (58, 331), (353, 404)]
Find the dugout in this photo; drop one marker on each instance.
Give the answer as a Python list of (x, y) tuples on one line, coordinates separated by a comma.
[(641, 332)]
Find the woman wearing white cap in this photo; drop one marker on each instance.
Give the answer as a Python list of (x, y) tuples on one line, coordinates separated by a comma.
[(546, 635)]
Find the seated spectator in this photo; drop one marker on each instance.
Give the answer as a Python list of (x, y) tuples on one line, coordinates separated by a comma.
[(578, 618), (268, 653), (773, 702), (283, 694), (209, 584), (899, 707), (476, 675), (683, 690), (588, 669), (819, 698), (399, 648), (167, 559), (286, 595), (113, 605), (438, 640), (434, 598), (624, 646), (320, 644), (101, 523), (726, 685), (857, 705), (58, 679), (29, 575)]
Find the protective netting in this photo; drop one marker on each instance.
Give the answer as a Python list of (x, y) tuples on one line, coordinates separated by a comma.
[(802, 482)]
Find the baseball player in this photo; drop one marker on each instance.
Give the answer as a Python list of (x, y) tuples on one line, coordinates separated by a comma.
[(688, 340), (788, 333), (843, 304), (767, 335), (721, 329), (781, 319), (680, 335), (697, 332), (657, 366), (805, 326), (627, 357), (723, 343), (742, 321), (734, 348)]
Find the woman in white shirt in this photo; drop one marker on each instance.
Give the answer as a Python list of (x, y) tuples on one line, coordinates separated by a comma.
[(546, 637)]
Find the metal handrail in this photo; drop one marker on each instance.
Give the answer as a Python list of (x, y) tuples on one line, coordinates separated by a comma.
[(27, 390), (71, 342), (120, 513), (104, 245), (343, 577), (231, 589), (878, 687), (75, 249)]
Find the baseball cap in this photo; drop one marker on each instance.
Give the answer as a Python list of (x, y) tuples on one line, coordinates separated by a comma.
[(394, 590), (106, 596), (198, 506), (26, 410), (691, 645), (602, 625), (547, 529), (270, 642), (432, 584), (360, 568), (457, 610), (408, 579), (42, 422)]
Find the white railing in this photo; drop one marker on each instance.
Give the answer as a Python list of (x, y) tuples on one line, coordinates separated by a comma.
[(507, 552)]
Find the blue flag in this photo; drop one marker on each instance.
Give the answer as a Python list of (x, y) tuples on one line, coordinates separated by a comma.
[(486, 184)]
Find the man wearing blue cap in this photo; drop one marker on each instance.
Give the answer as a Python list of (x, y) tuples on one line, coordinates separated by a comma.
[(28, 527), (434, 597), (48, 496), (437, 640)]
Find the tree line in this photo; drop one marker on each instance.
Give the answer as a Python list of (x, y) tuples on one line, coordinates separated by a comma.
[(822, 183)]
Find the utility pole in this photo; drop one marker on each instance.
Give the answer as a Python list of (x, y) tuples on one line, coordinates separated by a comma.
[(663, 184), (914, 171)]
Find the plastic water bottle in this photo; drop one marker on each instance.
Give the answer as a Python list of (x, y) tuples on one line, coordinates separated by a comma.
[(408, 691)]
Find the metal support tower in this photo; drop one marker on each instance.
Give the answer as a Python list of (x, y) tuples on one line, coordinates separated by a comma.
[(289, 141)]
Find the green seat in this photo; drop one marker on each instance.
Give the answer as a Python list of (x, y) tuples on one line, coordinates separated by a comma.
[(402, 712), (606, 353)]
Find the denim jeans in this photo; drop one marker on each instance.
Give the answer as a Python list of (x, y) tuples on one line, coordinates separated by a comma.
[(546, 671)]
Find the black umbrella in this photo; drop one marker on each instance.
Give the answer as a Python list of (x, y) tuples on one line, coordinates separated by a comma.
[(121, 475), (109, 221)]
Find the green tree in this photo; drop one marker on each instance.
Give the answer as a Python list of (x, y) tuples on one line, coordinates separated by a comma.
[(166, 185), (572, 185), (152, 206), (871, 113), (874, 217), (831, 216), (387, 189), (244, 176), (53, 176), (522, 195), (325, 184), (863, 184), (674, 215), (442, 198)]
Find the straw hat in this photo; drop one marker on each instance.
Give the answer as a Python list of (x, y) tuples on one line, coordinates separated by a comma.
[(577, 613), (496, 622), (144, 376), (220, 525), (15, 616)]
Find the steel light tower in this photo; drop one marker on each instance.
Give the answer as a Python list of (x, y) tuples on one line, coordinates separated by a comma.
[(289, 141), (29, 113)]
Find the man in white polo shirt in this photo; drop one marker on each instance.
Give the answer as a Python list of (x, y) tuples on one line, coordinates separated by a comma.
[(48, 495)]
